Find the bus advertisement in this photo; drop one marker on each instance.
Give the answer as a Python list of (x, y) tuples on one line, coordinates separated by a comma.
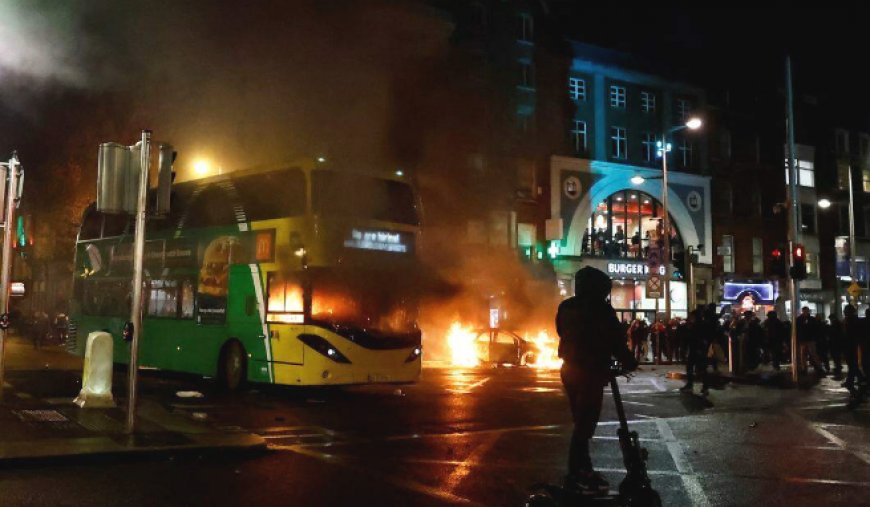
[(293, 276)]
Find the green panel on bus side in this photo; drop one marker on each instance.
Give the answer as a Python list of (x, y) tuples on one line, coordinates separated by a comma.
[(244, 322)]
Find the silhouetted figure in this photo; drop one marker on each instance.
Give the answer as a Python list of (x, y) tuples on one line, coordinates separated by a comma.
[(590, 336)]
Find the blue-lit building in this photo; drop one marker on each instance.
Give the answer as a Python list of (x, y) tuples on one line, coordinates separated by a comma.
[(598, 216)]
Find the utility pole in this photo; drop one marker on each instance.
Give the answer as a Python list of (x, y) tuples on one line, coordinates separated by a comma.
[(138, 258), (13, 194), (793, 218)]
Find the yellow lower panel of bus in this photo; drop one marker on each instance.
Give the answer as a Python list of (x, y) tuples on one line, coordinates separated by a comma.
[(366, 366)]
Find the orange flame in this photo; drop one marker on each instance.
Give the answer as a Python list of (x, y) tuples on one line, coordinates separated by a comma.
[(463, 349), (546, 351)]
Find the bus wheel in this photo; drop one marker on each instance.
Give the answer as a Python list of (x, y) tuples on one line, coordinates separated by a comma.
[(232, 371)]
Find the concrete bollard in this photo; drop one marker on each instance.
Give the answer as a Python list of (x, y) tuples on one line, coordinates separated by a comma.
[(97, 376)]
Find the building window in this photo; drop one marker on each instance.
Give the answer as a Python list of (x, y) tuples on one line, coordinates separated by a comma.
[(842, 142), (649, 146), (727, 254), (683, 109), (843, 222), (808, 218), (618, 143), (863, 146), (811, 259), (806, 173), (647, 102), (686, 150), (478, 17), (578, 136), (577, 89), (617, 97), (757, 256), (866, 179), (527, 75), (525, 28), (725, 144), (843, 176), (525, 121)]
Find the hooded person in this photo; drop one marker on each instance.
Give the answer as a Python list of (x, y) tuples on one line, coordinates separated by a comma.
[(590, 336)]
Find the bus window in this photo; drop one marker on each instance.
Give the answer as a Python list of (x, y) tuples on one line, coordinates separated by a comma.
[(92, 223), (211, 208), (162, 299), (272, 195), (186, 299), (107, 298), (285, 302), (114, 225), (351, 195)]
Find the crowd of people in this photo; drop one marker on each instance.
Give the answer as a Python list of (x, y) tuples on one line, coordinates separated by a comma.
[(707, 338)]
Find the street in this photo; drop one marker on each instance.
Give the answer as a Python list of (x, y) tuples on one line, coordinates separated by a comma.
[(466, 436)]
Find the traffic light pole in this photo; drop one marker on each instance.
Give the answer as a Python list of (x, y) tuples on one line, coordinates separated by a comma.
[(12, 196), (794, 287), (138, 258)]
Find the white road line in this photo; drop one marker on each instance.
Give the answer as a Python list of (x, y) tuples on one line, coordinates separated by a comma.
[(690, 480), (834, 439), (638, 403), (401, 482), (658, 385)]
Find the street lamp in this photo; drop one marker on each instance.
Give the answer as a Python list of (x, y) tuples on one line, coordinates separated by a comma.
[(664, 147), (825, 204)]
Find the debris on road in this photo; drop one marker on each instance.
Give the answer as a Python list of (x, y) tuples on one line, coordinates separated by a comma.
[(189, 394)]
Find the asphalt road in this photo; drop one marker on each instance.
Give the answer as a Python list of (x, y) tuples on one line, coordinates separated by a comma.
[(479, 437)]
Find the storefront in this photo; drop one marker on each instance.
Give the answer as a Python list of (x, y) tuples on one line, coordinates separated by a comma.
[(740, 296), (600, 218)]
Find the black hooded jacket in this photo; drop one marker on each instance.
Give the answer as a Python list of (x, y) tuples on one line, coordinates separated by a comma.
[(589, 332)]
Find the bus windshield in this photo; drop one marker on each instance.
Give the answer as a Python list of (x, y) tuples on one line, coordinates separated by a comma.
[(336, 194), (364, 300)]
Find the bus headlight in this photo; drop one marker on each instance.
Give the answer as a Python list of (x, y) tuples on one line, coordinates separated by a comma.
[(414, 354), (324, 347)]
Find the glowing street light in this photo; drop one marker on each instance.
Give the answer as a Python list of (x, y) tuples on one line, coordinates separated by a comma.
[(201, 167), (824, 203), (694, 123)]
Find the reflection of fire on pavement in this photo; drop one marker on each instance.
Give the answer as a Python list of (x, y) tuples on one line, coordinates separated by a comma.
[(470, 347)]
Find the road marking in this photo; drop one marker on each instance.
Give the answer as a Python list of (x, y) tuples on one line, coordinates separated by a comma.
[(690, 480), (401, 482), (465, 389), (658, 385), (643, 404), (834, 439), (464, 468)]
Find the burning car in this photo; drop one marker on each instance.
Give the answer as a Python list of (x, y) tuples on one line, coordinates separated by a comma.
[(474, 347)]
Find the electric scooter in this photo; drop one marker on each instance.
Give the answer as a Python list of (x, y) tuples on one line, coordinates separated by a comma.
[(634, 491)]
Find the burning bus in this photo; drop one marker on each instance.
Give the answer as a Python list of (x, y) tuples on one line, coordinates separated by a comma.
[(297, 275)]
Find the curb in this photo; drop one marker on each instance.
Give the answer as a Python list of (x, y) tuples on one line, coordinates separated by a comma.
[(60, 450)]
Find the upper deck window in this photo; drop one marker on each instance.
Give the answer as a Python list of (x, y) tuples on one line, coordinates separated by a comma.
[(273, 195), (347, 195)]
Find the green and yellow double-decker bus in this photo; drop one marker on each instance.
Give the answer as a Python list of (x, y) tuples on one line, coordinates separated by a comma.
[(300, 275)]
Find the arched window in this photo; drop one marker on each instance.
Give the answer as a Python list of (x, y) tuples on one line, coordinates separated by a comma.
[(624, 225)]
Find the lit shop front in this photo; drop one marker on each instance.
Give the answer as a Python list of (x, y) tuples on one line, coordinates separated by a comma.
[(755, 296), (628, 296), (603, 219)]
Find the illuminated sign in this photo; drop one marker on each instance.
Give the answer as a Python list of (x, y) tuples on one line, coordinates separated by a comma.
[(630, 268), (760, 292), (264, 246), (384, 241), (286, 318), (16, 289)]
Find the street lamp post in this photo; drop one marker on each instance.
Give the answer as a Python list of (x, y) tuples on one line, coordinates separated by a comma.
[(825, 204), (664, 148)]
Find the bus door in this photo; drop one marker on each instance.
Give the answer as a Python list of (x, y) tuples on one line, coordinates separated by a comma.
[(285, 320)]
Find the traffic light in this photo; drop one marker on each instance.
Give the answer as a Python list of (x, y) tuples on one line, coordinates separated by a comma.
[(799, 262), (777, 262)]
